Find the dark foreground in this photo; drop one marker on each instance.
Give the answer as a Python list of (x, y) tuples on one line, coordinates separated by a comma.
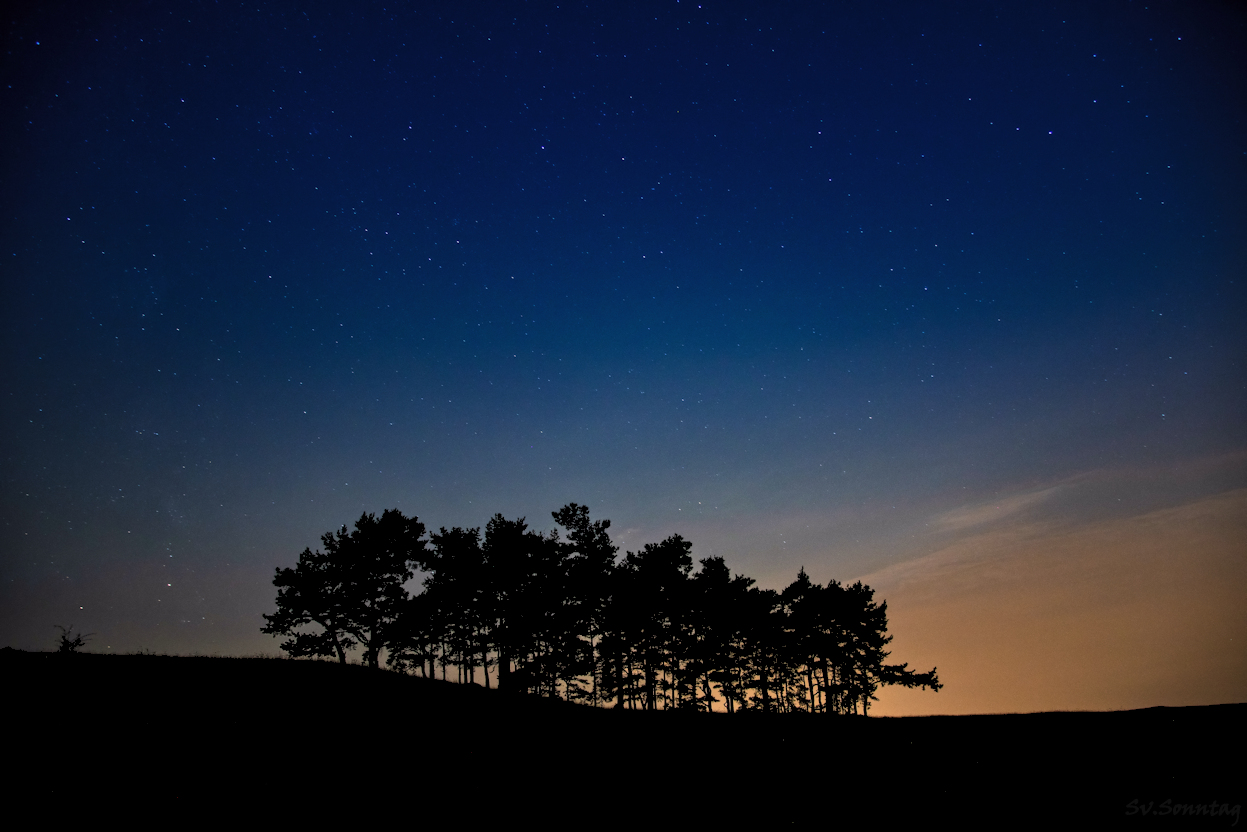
[(185, 739)]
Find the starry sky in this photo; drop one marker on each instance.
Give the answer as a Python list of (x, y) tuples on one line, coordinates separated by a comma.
[(946, 298)]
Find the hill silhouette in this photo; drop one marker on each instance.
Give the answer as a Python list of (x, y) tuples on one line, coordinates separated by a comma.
[(282, 740)]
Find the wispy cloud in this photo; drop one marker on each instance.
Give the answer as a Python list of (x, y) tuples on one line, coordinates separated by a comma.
[(967, 517)]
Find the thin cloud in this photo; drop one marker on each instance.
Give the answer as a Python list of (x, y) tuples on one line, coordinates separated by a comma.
[(970, 516)]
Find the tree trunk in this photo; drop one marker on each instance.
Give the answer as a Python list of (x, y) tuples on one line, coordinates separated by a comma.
[(766, 699), (593, 678), (826, 688), (504, 670)]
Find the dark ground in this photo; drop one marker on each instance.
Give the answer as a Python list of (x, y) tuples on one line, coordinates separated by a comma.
[(186, 739)]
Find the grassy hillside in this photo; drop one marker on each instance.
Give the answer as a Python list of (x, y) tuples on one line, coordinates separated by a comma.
[(269, 737)]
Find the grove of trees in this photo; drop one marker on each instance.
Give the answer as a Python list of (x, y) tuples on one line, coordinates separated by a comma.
[(562, 615)]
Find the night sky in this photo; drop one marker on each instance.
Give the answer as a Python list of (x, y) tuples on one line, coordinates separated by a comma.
[(946, 297)]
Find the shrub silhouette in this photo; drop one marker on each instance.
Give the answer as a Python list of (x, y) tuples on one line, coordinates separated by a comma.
[(70, 643)]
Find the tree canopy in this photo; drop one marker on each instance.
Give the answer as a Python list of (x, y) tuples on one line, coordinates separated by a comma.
[(353, 590), (563, 615)]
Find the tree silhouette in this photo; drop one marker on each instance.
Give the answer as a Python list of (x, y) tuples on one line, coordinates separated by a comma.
[(417, 636), (721, 653), (353, 590), (650, 600), (311, 593), (561, 616), (527, 580), (458, 592), (589, 559)]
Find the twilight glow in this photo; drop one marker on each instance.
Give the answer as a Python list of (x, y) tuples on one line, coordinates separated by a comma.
[(949, 301)]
